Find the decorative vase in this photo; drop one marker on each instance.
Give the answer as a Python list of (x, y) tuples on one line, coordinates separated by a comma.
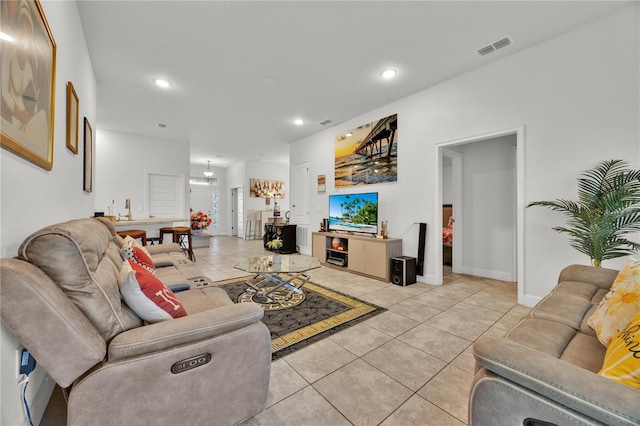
[(197, 232), (336, 242)]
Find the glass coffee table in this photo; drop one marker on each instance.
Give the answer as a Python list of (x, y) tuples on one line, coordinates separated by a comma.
[(277, 277)]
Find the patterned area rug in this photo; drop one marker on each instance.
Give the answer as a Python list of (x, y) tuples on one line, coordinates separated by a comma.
[(320, 313)]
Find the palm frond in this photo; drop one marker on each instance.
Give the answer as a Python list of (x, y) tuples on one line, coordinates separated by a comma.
[(607, 209)]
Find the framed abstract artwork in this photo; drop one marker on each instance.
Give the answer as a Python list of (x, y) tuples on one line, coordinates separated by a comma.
[(88, 156), (73, 108), (28, 53), (266, 188)]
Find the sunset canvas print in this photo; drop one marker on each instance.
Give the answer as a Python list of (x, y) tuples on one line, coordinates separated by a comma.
[(367, 154)]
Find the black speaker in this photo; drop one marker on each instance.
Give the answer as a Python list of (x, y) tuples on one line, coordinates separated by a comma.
[(403, 270)]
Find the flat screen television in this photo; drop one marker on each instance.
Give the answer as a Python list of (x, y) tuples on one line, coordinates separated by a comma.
[(357, 213)]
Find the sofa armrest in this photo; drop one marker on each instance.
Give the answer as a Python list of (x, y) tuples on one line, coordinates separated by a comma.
[(602, 277), (582, 390), (180, 331), (164, 248)]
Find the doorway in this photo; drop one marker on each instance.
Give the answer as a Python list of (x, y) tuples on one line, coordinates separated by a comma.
[(205, 199), (237, 212), (486, 193)]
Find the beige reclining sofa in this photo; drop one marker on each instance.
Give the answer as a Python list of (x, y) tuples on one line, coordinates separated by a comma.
[(60, 297), (544, 371)]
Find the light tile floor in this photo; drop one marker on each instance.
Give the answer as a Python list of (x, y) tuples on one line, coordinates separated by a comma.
[(411, 365)]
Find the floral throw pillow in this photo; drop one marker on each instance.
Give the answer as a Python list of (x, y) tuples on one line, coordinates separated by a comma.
[(622, 360), (620, 305)]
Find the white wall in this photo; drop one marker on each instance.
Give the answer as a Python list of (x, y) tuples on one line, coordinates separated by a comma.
[(576, 95), (33, 198), (122, 163), (240, 174), (258, 170)]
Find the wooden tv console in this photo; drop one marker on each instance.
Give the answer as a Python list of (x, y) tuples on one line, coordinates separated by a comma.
[(359, 254)]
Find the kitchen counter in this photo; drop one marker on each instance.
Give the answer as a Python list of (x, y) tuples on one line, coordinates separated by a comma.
[(150, 221)]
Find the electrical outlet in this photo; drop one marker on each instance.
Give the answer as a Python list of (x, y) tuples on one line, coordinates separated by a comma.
[(27, 362)]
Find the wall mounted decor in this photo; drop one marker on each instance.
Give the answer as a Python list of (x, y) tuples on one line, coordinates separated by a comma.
[(73, 108), (322, 184), (28, 82), (88, 156), (367, 154), (266, 188)]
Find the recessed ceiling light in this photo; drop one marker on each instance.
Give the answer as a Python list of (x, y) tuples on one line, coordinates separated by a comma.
[(162, 82), (298, 122), (389, 73)]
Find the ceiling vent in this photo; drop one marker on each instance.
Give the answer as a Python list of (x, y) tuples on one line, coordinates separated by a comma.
[(486, 50), (502, 43), (494, 46), (324, 122)]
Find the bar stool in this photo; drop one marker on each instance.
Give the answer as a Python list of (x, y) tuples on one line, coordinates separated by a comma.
[(182, 236), (253, 226), (153, 241), (135, 233)]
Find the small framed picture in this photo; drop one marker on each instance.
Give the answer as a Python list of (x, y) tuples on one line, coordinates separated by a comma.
[(73, 107), (322, 184), (88, 156)]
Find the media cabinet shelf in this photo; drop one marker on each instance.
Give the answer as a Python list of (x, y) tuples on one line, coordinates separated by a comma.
[(360, 254)]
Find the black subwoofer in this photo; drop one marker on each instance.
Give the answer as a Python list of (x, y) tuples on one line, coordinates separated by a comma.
[(403, 270)]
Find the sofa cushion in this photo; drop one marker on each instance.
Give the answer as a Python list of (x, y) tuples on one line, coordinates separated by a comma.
[(584, 326), (199, 300), (585, 351), (583, 290), (149, 298), (620, 304), (162, 259), (622, 360), (549, 337), (170, 276), (79, 256), (563, 307)]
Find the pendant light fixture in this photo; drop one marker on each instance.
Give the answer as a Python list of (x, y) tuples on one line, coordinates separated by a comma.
[(208, 172)]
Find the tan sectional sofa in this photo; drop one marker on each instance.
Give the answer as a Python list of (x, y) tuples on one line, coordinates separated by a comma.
[(545, 368), (60, 297)]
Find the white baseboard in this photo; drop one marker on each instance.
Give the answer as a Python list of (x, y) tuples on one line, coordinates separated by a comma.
[(530, 301), (488, 273), (427, 279)]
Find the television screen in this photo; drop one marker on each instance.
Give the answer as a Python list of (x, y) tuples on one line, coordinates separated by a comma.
[(354, 213)]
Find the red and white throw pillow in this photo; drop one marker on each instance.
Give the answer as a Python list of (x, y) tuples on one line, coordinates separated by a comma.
[(147, 296), (136, 254)]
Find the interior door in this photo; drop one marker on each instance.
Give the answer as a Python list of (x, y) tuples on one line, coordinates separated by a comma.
[(165, 195), (240, 212), (234, 209), (300, 193)]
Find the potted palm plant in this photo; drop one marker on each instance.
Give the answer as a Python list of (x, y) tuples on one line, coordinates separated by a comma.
[(608, 208)]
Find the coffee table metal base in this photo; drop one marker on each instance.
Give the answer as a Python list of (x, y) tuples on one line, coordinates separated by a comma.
[(276, 287)]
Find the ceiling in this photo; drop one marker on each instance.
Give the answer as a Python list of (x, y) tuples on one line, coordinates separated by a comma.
[(241, 71)]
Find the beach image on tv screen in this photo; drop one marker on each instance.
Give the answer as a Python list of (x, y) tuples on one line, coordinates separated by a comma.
[(354, 212)]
